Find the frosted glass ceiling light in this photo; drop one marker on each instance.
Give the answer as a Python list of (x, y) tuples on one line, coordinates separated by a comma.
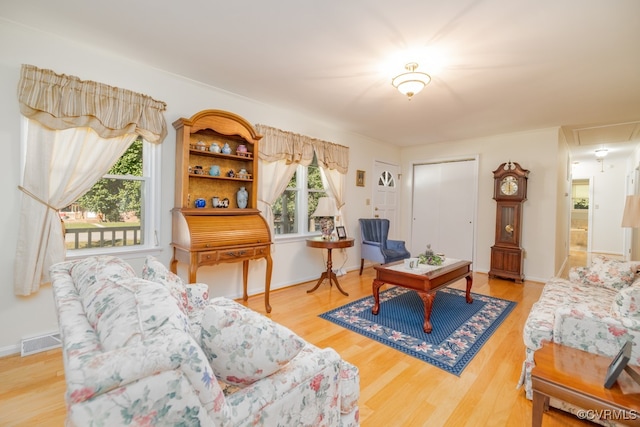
[(411, 82), (601, 152)]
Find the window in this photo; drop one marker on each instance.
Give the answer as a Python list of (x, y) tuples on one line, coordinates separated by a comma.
[(118, 213), (293, 209)]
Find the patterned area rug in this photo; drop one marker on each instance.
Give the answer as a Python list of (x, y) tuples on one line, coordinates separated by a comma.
[(459, 329)]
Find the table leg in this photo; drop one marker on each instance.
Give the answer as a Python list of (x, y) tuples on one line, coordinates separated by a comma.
[(245, 279), (469, 283), (267, 283), (427, 299), (540, 404), (376, 295), (330, 275)]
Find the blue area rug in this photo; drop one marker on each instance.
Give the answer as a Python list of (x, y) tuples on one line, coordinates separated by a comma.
[(459, 329)]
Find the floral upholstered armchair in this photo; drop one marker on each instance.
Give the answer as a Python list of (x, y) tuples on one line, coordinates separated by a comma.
[(597, 310)]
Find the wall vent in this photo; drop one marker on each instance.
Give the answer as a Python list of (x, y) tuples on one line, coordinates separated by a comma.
[(38, 344)]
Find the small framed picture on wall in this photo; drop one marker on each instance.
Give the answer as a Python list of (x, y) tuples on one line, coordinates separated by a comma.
[(360, 178), (342, 234)]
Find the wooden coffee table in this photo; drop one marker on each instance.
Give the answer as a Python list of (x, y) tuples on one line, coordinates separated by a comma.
[(425, 283), (577, 377)]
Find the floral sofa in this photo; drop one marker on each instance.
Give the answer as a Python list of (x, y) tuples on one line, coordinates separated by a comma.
[(596, 310), (151, 351)]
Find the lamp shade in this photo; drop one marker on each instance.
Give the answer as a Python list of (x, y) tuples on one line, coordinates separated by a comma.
[(411, 82), (631, 215), (326, 207)]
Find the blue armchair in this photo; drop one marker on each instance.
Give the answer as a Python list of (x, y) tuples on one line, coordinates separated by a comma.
[(374, 243)]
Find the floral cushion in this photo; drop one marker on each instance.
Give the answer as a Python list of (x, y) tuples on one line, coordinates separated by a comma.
[(604, 271), (243, 346), (627, 302), (155, 271)]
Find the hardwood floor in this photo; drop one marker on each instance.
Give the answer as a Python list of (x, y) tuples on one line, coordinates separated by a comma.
[(396, 389)]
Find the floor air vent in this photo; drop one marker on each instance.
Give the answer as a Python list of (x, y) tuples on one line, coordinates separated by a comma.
[(39, 344)]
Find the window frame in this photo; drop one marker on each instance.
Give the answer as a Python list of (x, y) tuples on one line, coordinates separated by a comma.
[(150, 213), (302, 205)]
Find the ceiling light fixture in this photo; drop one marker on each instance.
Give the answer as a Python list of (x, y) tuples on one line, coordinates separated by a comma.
[(411, 82), (601, 152)]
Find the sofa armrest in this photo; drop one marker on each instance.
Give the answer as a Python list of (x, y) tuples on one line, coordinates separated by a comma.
[(595, 332)]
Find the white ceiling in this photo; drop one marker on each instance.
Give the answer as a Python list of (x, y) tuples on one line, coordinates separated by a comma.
[(497, 66)]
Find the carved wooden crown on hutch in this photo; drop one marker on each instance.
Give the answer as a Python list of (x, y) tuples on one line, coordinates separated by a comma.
[(210, 235)]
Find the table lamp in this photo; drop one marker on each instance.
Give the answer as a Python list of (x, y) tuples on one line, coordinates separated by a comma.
[(326, 211)]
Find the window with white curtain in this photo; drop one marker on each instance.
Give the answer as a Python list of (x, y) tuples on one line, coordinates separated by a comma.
[(119, 213), (293, 209)]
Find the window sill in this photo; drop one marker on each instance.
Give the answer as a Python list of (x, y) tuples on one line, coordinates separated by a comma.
[(294, 238), (124, 253)]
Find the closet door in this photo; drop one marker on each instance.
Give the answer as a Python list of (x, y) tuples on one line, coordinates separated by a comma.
[(444, 207)]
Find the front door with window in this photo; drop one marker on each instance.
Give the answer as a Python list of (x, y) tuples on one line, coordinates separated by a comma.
[(385, 196)]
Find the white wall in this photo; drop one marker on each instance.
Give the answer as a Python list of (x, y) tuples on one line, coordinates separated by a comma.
[(607, 205), (535, 151), (293, 262)]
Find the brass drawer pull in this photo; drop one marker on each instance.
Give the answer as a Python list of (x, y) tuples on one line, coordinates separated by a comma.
[(237, 254)]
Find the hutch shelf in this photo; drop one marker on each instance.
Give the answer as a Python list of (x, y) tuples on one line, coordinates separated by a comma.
[(216, 156)]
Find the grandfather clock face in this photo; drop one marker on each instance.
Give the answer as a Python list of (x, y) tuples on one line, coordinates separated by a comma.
[(509, 185)]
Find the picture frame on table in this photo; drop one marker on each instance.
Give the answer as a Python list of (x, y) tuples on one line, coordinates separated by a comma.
[(342, 233), (618, 364)]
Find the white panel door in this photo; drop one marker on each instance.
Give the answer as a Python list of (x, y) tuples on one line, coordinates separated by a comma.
[(385, 194), (444, 198)]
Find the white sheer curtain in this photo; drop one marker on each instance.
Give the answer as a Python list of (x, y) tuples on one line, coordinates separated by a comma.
[(274, 177), (280, 152), (336, 181), (76, 132)]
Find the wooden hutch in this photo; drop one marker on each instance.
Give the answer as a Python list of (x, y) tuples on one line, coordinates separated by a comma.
[(224, 233)]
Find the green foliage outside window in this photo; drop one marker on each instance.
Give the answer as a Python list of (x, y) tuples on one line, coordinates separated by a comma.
[(285, 208), (112, 197)]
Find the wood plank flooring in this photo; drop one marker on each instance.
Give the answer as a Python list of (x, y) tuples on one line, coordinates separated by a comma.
[(396, 389)]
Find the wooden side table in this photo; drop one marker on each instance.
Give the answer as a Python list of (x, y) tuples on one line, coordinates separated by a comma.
[(577, 377), (319, 242)]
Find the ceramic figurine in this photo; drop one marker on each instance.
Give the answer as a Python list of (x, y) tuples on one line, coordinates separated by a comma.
[(231, 173), (226, 149), (242, 198)]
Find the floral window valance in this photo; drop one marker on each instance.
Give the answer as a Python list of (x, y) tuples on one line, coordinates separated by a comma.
[(278, 144), (59, 102)]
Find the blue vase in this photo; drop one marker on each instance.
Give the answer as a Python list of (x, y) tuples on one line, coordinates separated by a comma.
[(214, 170), (226, 149), (242, 197)]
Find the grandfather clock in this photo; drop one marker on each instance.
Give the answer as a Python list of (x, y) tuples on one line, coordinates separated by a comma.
[(509, 192)]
